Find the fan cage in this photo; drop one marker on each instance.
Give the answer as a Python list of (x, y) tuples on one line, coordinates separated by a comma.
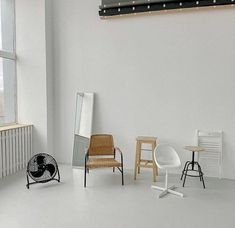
[(33, 167)]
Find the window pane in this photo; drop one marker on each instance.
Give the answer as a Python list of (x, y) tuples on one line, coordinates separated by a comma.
[(7, 91), (7, 25)]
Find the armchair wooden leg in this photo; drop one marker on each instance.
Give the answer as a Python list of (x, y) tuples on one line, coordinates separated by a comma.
[(113, 169)]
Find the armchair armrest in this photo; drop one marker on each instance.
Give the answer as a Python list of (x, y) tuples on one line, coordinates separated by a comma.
[(120, 152), (118, 149)]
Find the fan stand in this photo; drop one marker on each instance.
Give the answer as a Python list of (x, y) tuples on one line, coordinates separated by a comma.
[(36, 182)]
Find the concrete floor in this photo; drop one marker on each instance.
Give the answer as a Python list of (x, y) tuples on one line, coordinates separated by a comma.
[(105, 203)]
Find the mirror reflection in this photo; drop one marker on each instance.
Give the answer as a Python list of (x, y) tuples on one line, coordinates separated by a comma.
[(83, 126)]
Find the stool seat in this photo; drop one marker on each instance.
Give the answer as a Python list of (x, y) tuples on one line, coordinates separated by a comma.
[(194, 148), (143, 162), (146, 138)]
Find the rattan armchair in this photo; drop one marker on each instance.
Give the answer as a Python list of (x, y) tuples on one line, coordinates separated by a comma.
[(102, 145)]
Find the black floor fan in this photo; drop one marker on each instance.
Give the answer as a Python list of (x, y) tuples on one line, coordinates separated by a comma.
[(42, 168)]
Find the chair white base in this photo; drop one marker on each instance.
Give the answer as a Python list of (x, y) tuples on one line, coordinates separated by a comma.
[(167, 190)]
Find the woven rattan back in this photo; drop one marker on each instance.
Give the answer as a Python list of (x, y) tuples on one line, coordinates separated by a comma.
[(101, 145)]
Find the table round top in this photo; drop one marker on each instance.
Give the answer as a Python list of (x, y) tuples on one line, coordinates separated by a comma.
[(194, 148)]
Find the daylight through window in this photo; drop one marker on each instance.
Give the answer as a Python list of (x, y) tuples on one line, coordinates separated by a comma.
[(7, 63)]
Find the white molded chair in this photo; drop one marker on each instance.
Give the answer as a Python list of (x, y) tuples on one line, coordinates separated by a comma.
[(166, 158)]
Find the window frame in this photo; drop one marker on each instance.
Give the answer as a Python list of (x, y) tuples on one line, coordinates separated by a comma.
[(11, 55)]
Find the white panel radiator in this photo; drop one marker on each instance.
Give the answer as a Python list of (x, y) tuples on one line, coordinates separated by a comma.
[(15, 148), (211, 158)]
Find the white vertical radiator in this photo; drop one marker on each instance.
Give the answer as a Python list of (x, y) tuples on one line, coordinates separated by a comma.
[(16, 148), (211, 158)]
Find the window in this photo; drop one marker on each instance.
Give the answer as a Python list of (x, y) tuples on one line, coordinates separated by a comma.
[(7, 63)]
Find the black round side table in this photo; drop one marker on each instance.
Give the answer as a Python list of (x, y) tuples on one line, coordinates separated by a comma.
[(192, 163)]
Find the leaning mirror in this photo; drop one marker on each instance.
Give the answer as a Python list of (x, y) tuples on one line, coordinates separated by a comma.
[(83, 126)]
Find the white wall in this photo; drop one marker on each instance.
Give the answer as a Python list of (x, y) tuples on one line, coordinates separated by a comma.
[(31, 68), (163, 75)]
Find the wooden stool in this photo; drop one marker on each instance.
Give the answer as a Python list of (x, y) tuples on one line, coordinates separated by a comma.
[(142, 162)]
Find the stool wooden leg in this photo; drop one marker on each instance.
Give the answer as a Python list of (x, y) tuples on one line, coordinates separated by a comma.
[(136, 159), (155, 145), (154, 174), (154, 164), (139, 155)]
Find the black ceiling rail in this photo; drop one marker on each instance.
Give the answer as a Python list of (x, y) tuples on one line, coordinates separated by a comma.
[(134, 7)]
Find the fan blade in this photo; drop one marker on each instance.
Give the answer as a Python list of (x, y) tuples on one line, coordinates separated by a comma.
[(37, 174), (40, 159), (50, 168)]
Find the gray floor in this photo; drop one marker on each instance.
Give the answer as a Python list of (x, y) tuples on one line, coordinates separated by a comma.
[(105, 203)]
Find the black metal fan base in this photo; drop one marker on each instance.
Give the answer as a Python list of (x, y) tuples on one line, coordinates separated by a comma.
[(37, 182)]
